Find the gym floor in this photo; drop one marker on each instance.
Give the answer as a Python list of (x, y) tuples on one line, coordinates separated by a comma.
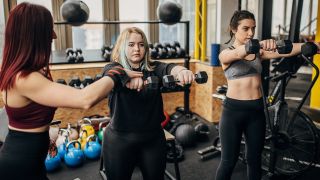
[(191, 168)]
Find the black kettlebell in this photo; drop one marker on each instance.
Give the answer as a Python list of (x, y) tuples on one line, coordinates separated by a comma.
[(202, 130)]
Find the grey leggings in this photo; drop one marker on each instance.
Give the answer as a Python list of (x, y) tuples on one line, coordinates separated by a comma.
[(241, 117)]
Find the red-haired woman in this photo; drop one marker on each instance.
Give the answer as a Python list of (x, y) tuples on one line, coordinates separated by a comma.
[(30, 95)]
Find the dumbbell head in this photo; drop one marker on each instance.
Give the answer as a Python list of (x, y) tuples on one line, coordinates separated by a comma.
[(153, 53), (201, 77), (284, 46), (69, 51), (87, 80), (61, 81), (309, 49), (79, 51), (75, 82), (106, 52), (168, 81), (175, 44), (71, 56), (252, 46), (152, 83)]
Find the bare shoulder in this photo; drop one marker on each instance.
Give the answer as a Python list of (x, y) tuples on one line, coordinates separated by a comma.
[(32, 80)]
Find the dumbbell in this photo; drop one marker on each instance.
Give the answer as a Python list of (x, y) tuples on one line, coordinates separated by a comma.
[(171, 51), (79, 56), (162, 52), (152, 83), (169, 81), (106, 52), (153, 53), (283, 46), (61, 81), (87, 81), (180, 52), (71, 56), (75, 82)]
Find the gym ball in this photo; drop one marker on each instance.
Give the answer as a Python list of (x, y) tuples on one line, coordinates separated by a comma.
[(75, 12), (169, 12), (185, 135)]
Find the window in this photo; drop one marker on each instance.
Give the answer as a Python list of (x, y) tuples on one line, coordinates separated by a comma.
[(90, 36), (47, 4), (138, 13), (2, 28), (176, 32)]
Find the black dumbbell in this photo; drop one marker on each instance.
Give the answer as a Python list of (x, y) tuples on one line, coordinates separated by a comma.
[(152, 83), (75, 82), (283, 46), (169, 81), (106, 52), (97, 77), (61, 81), (201, 77), (79, 56), (180, 52), (87, 81), (222, 89), (162, 52), (171, 52), (71, 56), (153, 53)]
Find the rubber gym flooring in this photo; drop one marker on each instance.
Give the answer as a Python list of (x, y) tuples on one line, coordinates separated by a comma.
[(191, 168)]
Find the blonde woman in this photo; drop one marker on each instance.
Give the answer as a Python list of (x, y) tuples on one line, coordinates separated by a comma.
[(135, 137)]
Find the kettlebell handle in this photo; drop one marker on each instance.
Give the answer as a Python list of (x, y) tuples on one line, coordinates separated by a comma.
[(72, 142), (102, 123), (90, 137)]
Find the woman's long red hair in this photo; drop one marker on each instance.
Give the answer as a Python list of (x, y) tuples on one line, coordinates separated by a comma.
[(27, 46)]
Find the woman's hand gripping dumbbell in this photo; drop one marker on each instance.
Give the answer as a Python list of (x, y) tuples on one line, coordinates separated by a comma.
[(253, 46), (139, 83), (169, 81)]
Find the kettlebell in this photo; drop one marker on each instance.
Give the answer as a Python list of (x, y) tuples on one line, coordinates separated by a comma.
[(54, 132), (74, 156), (83, 139), (63, 136), (73, 133), (88, 128), (53, 160), (62, 149), (85, 124), (102, 127), (92, 149), (202, 130)]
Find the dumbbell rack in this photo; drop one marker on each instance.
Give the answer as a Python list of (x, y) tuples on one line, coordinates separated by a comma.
[(186, 91)]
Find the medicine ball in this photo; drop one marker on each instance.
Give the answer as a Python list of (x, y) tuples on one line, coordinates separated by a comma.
[(75, 12), (185, 135), (169, 12)]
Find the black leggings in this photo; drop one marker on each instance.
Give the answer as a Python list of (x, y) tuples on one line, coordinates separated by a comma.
[(22, 156), (123, 151), (241, 117)]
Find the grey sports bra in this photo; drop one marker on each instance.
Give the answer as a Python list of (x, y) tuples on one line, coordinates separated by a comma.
[(243, 68)]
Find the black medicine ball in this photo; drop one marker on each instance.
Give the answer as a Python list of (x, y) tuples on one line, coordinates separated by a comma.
[(75, 12), (169, 12)]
